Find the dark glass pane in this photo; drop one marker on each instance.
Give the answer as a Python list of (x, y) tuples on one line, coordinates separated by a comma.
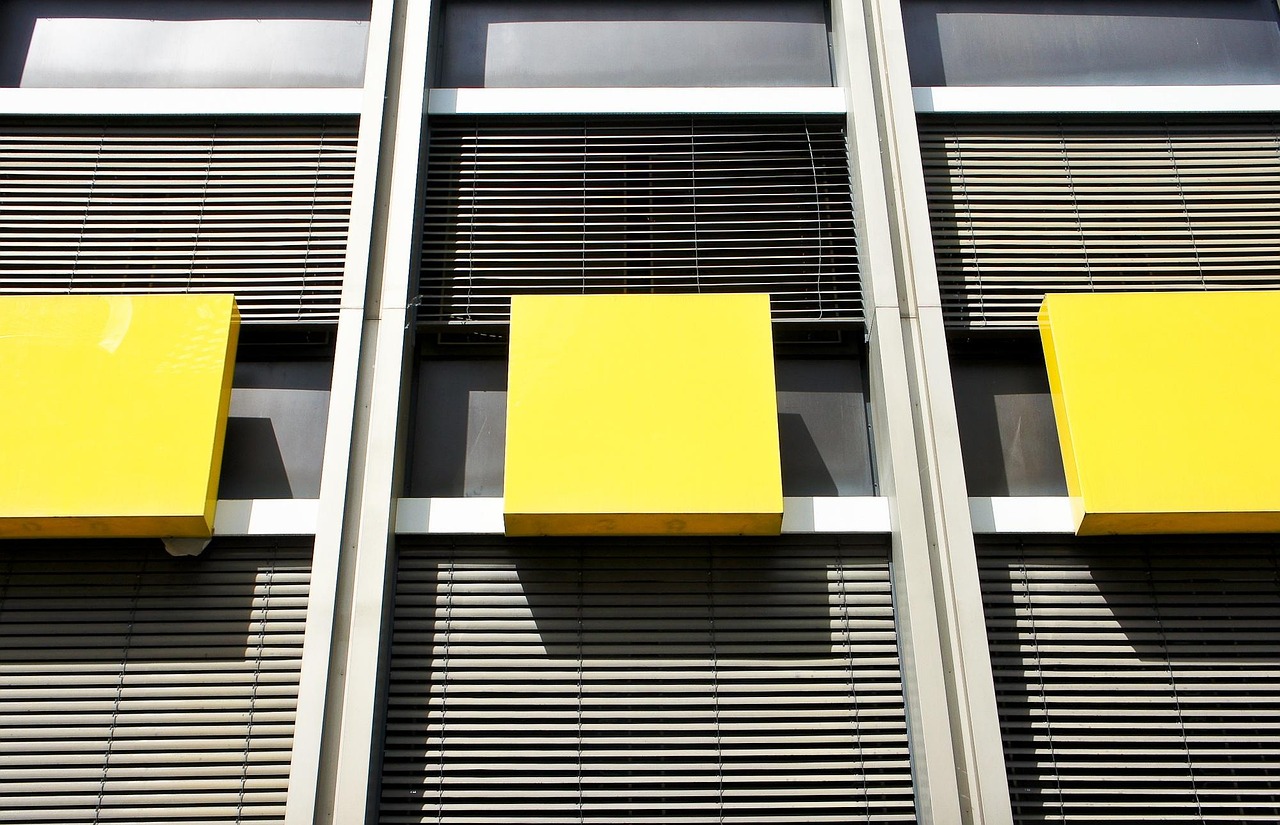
[(822, 428), (1007, 433), (459, 438), (276, 429)]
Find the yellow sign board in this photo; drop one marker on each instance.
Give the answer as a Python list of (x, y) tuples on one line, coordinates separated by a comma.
[(112, 413), (1168, 409), (641, 415)]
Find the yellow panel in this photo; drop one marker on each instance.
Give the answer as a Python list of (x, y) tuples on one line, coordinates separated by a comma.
[(112, 413), (1168, 409), (642, 414)]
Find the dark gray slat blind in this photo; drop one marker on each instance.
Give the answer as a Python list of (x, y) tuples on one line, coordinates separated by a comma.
[(643, 681), (1138, 681), (595, 205), (136, 687), (1035, 205), (256, 208)]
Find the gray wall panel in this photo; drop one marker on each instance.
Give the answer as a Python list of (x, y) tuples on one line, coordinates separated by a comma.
[(275, 430), (1007, 433), (1091, 42), (822, 428), (650, 43), (459, 429), (183, 43)]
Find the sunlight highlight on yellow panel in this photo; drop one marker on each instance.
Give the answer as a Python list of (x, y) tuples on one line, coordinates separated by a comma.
[(112, 413)]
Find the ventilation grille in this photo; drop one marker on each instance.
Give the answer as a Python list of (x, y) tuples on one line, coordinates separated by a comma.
[(658, 682), (1136, 681), (142, 688), (1021, 208), (256, 209), (612, 206)]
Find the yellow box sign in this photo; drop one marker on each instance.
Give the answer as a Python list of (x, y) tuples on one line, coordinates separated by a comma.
[(642, 414), (112, 413), (1168, 409)]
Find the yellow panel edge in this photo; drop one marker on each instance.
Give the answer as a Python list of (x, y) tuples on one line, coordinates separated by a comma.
[(82, 527), (644, 524), (1115, 524)]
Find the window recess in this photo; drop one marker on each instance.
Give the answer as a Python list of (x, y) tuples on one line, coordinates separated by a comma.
[(1107, 203), (652, 681), (1136, 679), (590, 205), (142, 687), (255, 207), (1008, 438)]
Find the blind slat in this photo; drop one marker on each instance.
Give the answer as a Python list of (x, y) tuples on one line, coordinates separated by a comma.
[(257, 209)]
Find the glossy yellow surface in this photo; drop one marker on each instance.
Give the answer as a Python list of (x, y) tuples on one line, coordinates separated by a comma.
[(642, 414), (1168, 409), (112, 413)]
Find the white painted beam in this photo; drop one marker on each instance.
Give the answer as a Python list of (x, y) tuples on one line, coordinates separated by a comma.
[(803, 514), (648, 101), (180, 101), (1022, 514), (266, 517), (1041, 99)]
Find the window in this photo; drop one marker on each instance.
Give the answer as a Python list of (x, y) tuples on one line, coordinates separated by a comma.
[(183, 43), (690, 204), (1092, 42), (581, 43)]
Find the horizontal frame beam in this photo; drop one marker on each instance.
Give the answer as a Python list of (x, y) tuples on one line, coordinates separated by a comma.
[(801, 515), (1022, 514), (180, 101), (1119, 99), (808, 100)]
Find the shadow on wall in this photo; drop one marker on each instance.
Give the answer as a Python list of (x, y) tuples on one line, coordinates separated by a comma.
[(639, 598), (122, 668), (1008, 437), (276, 430), (1128, 670), (660, 601), (633, 676), (118, 600)]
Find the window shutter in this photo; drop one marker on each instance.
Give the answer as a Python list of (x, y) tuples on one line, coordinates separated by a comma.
[(588, 205), (258, 209), (1021, 208), (139, 687), (645, 682), (1137, 681)]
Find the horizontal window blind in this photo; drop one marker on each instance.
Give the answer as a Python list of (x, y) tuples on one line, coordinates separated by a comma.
[(259, 209), (1137, 681), (643, 681), (1034, 205), (591, 205), (136, 687)]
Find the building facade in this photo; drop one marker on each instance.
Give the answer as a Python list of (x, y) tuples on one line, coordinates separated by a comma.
[(928, 640)]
